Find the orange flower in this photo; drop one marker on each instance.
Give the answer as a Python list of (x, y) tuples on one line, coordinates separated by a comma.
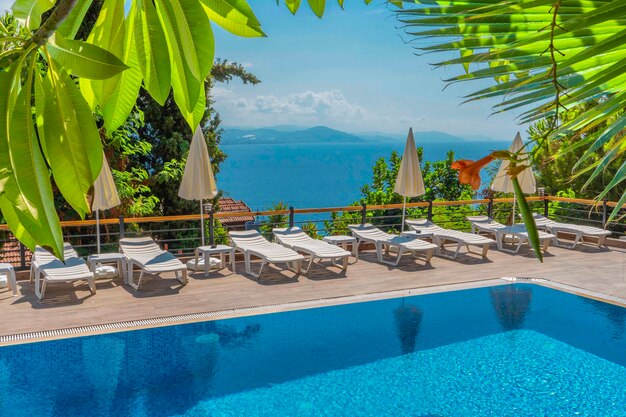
[(469, 171)]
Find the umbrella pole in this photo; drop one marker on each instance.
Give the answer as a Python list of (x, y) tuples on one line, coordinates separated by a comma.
[(403, 213), (201, 223), (98, 229)]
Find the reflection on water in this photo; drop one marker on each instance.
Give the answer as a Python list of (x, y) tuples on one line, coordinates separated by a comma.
[(178, 370), (102, 369), (408, 318), (511, 305), (615, 314)]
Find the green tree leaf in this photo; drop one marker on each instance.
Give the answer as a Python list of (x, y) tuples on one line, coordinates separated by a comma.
[(529, 220), (18, 228), (69, 27), (24, 176), (116, 96), (292, 5), (191, 49), (318, 7), (29, 12), (121, 102), (85, 60), (154, 59), (235, 16), (69, 136), (108, 33)]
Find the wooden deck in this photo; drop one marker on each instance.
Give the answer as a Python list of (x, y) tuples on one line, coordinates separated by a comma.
[(65, 306)]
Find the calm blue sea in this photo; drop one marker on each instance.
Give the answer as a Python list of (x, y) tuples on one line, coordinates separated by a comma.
[(318, 175)]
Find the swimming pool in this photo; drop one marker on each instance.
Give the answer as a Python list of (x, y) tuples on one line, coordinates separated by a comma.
[(511, 350)]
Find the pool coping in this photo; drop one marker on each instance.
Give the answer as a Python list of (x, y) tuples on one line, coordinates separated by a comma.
[(132, 325)]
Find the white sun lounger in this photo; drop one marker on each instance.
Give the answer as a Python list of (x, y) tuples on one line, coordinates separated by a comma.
[(46, 268), (441, 236), (251, 243), (579, 231), (485, 224), (384, 241), (42, 256), (294, 238), (150, 258)]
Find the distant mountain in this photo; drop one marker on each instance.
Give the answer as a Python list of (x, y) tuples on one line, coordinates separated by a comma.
[(319, 134), (286, 134), (420, 137)]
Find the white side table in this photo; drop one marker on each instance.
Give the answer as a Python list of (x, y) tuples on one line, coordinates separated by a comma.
[(96, 265), (206, 251), (341, 240), (8, 270)]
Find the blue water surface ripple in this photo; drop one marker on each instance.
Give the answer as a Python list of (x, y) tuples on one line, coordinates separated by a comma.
[(512, 350)]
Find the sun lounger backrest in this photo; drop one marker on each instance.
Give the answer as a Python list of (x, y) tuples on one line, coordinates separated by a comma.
[(423, 225), (292, 235), (42, 255), (485, 221), (542, 220), (138, 246), (369, 231), (247, 238)]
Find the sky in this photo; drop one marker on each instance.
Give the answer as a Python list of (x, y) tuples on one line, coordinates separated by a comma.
[(352, 70)]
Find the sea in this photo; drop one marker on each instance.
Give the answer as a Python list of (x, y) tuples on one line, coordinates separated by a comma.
[(308, 175)]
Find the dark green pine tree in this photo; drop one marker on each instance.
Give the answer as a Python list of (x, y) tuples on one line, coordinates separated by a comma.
[(167, 132)]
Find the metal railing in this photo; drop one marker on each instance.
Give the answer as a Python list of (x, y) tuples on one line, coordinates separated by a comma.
[(181, 234)]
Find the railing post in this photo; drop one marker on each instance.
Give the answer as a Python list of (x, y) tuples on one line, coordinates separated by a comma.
[(605, 206), (211, 226), (546, 207), (22, 256), (430, 210), (363, 214), (121, 226), (291, 217), (490, 208)]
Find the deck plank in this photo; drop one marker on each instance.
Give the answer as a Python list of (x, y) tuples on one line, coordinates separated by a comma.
[(71, 305)]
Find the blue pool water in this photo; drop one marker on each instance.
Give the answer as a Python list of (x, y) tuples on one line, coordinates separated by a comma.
[(512, 350)]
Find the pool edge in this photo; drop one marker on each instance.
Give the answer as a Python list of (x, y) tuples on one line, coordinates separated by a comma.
[(132, 325)]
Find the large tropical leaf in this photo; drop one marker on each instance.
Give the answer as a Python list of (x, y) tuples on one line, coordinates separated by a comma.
[(120, 103), (545, 56), (235, 16), (108, 33), (153, 58), (319, 6), (190, 42), (69, 27), (85, 60), (25, 191), (29, 11), (69, 139), (167, 44)]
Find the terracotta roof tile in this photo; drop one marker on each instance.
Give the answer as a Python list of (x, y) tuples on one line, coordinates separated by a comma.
[(229, 205), (10, 251)]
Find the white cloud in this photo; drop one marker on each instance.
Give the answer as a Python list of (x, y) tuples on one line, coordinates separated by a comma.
[(313, 106), (308, 107)]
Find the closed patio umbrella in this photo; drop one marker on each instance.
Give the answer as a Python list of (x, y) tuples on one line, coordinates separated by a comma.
[(502, 182), (198, 182), (105, 195), (409, 182)]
